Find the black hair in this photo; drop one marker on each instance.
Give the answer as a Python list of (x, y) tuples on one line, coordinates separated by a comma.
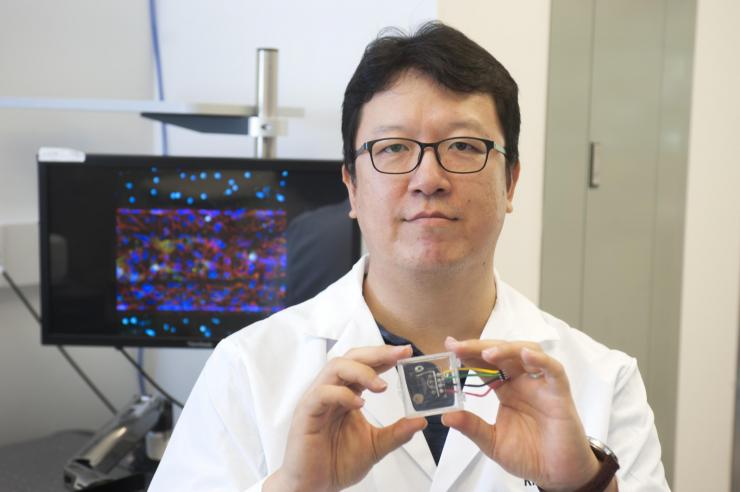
[(445, 55)]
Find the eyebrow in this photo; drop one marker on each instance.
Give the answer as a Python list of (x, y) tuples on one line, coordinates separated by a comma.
[(468, 124)]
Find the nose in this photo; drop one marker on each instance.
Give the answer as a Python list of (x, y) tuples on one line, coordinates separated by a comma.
[(429, 178)]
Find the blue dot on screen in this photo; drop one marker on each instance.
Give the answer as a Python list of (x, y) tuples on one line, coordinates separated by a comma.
[(129, 185), (260, 195), (183, 175), (134, 320), (153, 192), (131, 199), (280, 198), (203, 196), (235, 187), (285, 174), (124, 321), (190, 200), (231, 181), (150, 332), (228, 191), (156, 179), (203, 328), (203, 175), (282, 183), (217, 175), (193, 177), (247, 175), (185, 321)]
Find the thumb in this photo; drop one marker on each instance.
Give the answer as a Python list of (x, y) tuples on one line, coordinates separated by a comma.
[(475, 428), (391, 437)]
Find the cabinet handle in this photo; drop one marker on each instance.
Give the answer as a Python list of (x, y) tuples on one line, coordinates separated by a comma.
[(594, 165)]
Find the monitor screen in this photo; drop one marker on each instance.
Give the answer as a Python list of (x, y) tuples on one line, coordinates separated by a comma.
[(183, 251)]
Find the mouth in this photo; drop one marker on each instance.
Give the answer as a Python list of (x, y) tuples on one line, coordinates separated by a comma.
[(430, 215)]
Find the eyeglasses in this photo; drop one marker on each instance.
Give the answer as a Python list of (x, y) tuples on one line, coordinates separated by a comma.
[(462, 155)]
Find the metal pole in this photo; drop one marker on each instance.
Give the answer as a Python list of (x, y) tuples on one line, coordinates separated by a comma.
[(267, 69)]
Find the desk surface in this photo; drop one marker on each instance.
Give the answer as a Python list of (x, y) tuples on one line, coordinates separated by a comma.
[(37, 465)]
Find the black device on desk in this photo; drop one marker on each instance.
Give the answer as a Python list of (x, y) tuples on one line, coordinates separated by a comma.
[(110, 458)]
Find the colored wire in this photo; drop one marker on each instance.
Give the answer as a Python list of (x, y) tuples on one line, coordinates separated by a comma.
[(148, 378), (481, 370), (165, 140), (483, 384), (158, 67), (479, 395)]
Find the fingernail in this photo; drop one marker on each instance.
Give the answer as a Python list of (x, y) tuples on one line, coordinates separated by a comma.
[(490, 352), (402, 348), (380, 383), (451, 341)]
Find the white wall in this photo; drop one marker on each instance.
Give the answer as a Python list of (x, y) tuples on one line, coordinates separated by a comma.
[(76, 48), (517, 34), (711, 282)]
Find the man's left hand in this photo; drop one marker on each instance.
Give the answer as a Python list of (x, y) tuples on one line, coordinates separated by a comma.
[(538, 434)]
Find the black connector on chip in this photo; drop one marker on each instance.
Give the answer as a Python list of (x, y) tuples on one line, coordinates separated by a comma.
[(427, 386)]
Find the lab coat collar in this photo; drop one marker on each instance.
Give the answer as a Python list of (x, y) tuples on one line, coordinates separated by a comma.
[(514, 317), (349, 324)]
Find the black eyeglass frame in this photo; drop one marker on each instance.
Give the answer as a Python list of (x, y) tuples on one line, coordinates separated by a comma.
[(490, 145)]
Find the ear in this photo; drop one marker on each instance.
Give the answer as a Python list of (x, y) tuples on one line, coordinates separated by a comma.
[(351, 189), (512, 177)]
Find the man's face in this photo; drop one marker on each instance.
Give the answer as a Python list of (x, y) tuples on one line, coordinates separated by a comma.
[(430, 219)]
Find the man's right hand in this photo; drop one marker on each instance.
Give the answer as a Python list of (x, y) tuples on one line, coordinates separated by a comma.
[(331, 445)]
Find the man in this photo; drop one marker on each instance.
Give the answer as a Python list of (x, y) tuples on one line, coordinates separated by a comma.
[(308, 399)]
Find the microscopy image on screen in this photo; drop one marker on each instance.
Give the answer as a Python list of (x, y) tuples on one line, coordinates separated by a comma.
[(200, 260), (194, 246)]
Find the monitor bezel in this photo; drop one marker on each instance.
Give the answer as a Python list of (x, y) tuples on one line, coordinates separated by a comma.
[(48, 337)]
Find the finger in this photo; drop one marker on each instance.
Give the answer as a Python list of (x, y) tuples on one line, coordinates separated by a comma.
[(508, 357), (380, 358), (391, 437), (536, 362), (342, 371), (327, 397), (470, 349), (475, 428), (518, 359)]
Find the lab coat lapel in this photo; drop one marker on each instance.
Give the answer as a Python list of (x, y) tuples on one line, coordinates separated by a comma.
[(382, 409)]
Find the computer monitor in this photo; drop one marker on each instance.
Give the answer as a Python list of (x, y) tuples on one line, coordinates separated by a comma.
[(183, 251)]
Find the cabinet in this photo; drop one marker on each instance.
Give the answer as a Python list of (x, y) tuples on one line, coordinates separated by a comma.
[(615, 181)]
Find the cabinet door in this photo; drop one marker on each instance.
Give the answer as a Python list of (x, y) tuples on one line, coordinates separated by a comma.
[(620, 212)]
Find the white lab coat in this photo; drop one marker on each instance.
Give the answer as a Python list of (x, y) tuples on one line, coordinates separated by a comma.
[(233, 430)]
